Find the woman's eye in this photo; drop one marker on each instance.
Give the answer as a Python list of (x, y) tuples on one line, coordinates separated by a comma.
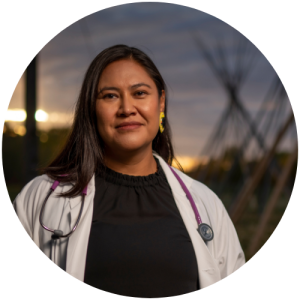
[(140, 93), (110, 96)]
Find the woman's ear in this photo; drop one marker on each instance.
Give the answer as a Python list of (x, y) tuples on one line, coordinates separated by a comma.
[(162, 100)]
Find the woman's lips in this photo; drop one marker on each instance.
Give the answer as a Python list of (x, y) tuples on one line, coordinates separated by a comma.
[(129, 127)]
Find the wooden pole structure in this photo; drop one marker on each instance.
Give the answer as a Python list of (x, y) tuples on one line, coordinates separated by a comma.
[(272, 202), (31, 141), (249, 187)]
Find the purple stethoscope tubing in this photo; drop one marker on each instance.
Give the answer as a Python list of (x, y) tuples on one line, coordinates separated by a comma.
[(189, 196), (56, 232), (204, 230)]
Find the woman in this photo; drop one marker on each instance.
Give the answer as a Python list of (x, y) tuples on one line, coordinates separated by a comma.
[(137, 231)]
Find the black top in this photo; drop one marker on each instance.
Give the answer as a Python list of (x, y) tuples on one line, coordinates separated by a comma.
[(138, 244)]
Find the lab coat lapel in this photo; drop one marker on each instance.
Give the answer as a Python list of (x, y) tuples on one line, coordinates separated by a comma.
[(78, 241), (207, 267)]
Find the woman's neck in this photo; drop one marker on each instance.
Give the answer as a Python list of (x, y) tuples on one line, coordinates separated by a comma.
[(135, 166)]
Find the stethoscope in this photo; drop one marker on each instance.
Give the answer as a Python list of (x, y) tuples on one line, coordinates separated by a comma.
[(204, 230)]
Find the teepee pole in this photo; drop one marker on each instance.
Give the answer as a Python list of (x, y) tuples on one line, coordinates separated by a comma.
[(249, 187), (272, 202)]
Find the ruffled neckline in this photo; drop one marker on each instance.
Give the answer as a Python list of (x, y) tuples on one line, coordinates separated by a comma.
[(114, 177)]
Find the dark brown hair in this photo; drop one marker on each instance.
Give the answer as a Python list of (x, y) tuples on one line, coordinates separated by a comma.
[(83, 153)]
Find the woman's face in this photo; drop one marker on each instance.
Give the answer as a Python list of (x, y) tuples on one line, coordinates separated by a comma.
[(128, 107)]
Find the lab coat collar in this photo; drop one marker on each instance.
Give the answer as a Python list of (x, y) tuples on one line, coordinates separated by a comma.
[(173, 182)]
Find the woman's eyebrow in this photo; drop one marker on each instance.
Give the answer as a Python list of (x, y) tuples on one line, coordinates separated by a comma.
[(117, 89)]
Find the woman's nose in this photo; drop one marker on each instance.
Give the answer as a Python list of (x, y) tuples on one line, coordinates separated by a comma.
[(127, 104)]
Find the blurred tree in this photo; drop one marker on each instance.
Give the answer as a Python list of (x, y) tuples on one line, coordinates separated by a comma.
[(50, 143), (13, 145), (13, 161)]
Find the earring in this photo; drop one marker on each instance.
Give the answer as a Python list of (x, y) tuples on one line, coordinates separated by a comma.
[(161, 122)]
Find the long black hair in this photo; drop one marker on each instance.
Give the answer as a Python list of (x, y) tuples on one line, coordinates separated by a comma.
[(83, 153)]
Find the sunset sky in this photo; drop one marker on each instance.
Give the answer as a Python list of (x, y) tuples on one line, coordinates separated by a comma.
[(164, 32)]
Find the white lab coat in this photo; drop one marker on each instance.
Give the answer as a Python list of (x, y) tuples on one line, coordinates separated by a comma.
[(216, 260)]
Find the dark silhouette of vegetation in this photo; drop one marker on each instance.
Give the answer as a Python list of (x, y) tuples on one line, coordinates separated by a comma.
[(13, 147)]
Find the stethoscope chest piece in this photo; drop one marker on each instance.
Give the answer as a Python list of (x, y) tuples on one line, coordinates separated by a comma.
[(205, 232)]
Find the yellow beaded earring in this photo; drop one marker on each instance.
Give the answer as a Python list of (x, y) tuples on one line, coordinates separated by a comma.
[(161, 122)]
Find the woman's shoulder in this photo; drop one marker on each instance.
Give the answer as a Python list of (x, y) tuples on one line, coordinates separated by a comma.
[(32, 190), (39, 182), (42, 184), (200, 191), (195, 184)]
